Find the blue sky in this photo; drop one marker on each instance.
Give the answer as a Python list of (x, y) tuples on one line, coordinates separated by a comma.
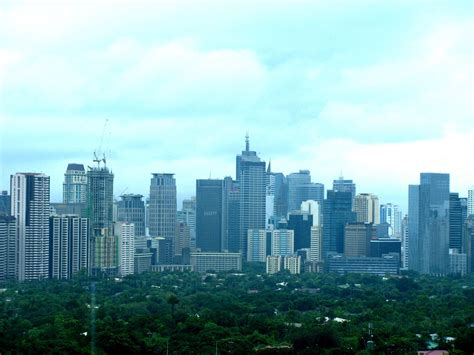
[(377, 90)]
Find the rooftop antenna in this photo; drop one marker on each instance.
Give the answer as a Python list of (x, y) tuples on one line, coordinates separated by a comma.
[(247, 142), (341, 177)]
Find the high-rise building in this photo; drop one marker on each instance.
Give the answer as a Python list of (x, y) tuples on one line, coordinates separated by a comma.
[(316, 244), (391, 214), (103, 248), (366, 206), (456, 222), (292, 264), (468, 243), (343, 185), (251, 176), (125, 233), (75, 184), (313, 208), (256, 245), (68, 248), (273, 264), (5, 207), (131, 209), (8, 248), (300, 223), (163, 205), (300, 188), (210, 230), (182, 242), (231, 213), (357, 237), (470, 201), (405, 247), (337, 212), (30, 207), (283, 241), (163, 210), (187, 215), (429, 224)]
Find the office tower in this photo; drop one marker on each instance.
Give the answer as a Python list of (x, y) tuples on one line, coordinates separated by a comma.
[(468, 243), (30, 207), (292, 264), (455, 222), (251, 179), (470, 201), (68, 248), (181, 243), (429, 224), (391, 214), (273, 264), (131, 209), (316, 244), (300, 223), (75, 184), (187, 215), (366, 206), (342, 185), (314, 209), (5, 208), (8, 248), (337, 212), (103, 248), (209, 215), (380, 247), (357, 237), (277, 187), (405, 243), (231, 222), (283, 242), (256, 245), (163, 210), (143, 255), (125, 233), (300, 188), (216, 262)]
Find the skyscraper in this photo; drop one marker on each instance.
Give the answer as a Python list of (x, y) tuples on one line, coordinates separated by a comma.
[(342, 185), (357, 237), (337, 212), (5, 208), (131, 209), (8, 248), (300, 223), (251, 178), (69, 241), (283, 242), (187, 216), (256, 245), (232, 240), (455, 222), (470, 201), (429, 221), (163, 210), (75, 184), (209, 215), (300, 188), (103, 244), (366, 206), (30, 207), (125, 233), (391, 214)]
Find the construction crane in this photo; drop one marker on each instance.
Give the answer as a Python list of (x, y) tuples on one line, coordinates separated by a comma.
[(99, 150)]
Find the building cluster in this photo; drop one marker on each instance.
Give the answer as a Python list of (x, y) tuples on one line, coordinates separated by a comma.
[(286, 221)]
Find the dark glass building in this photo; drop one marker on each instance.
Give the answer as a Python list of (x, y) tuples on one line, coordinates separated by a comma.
[(131, 209), (209, 216), (301, 223), (5, 208)]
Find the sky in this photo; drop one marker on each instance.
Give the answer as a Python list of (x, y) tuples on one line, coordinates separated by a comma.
[(376, 90)]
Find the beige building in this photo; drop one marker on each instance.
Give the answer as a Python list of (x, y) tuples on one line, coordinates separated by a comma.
[(367, 208), (357, 238)]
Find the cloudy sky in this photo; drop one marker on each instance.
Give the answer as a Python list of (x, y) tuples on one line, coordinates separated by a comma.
[(380, 90)]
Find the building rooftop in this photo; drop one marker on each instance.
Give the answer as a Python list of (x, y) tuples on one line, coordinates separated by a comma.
[(75, 167)]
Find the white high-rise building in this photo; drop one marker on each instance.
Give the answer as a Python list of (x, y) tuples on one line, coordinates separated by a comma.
[(283, 241), (75, 184), (126, 239), (313, 208), (366, 206), (316, 244), (391, 214), (292, 263), (30, 207), (470, 201), (273, 264)]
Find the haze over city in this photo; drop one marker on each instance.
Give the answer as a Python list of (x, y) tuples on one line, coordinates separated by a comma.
[(376, 91)]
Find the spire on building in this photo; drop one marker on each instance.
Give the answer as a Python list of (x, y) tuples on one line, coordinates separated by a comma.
[(247, 142), (269, 168)]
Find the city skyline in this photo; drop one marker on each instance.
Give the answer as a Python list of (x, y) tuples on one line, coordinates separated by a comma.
[(379, 91)]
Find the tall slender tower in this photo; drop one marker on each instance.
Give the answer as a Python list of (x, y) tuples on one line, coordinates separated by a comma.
[(162, 211), (30, 207), (251, 177), (75, 184), (103, 247)]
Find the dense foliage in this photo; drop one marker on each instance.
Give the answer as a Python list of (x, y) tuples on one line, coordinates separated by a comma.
[(189, 313)]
